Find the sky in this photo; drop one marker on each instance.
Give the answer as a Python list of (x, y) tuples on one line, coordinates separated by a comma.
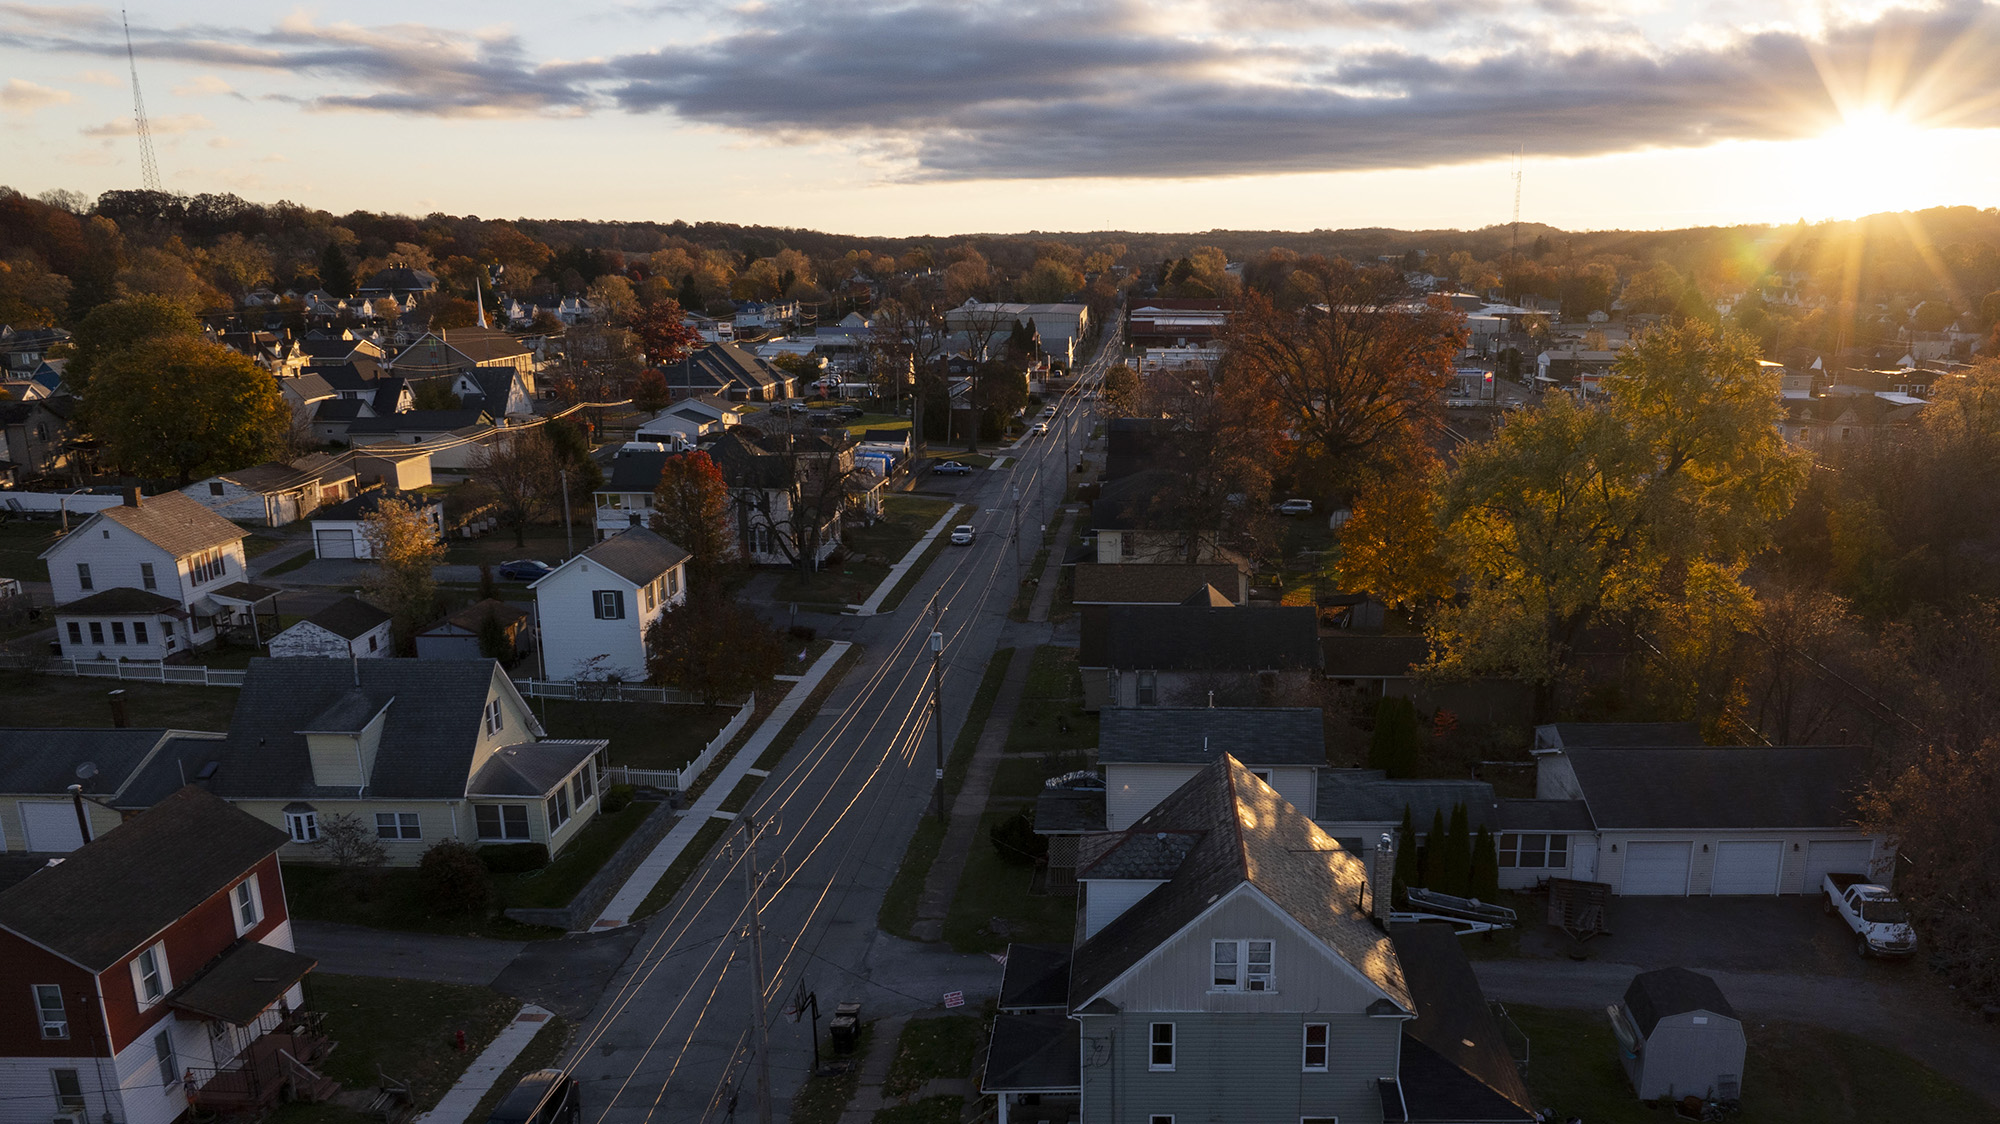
[(956, 116)]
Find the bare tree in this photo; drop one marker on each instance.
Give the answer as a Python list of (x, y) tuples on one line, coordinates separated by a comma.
[(908, 341), (808, 476), (519, 468)]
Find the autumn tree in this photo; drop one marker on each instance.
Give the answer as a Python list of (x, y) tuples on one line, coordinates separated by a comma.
[(1218, 452), (665, 337), (1120, 391), (180, 407), (711, 646), (406, 546), (519, 469), (117, 325), (691, 508), (799, 513), (649, 392), (434, 394), (1389, 547), (907, 342), (1358, 376)]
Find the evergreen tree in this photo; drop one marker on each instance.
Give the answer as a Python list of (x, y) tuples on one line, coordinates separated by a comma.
[(1432, 864), (1485, 867), (1454, 862), (336, 273), (1406, 856), (1393, 747)]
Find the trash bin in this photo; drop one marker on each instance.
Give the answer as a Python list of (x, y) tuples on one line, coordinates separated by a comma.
[(845, 1027)]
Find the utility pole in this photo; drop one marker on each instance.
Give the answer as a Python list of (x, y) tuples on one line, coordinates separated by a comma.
[(751, 878), (569, 529), (1017, 524), (937, 697)]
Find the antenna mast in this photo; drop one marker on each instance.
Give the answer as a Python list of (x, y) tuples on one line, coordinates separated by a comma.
[(1518, 152), (149, 168)]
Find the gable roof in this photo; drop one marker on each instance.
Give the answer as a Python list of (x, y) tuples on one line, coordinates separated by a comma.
[(46, 761), (1248, 835), (367, 502), (349, 618), (1666, 992), (1478, 1080), (637, 555), (531, 768), (110, 896), (425, 420), (171, 521), (1201, 637), (1129, 583), (1288, 735), (1721, 786), (725, 365), (637, 471), (1368, 796), (1606, 735)]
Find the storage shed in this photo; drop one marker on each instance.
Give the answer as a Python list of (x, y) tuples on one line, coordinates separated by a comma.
[(1678, 1037)]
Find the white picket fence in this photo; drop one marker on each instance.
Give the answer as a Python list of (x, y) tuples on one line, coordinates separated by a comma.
[(605, 692), (194, 674), (677, 780)]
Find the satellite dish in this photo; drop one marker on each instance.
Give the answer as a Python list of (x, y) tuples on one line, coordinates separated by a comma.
[(86, 771)]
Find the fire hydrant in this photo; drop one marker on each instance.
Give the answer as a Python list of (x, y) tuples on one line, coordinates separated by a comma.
[(458, 1041)]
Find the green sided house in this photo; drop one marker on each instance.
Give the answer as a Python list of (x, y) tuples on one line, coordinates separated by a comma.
[(419, 750)]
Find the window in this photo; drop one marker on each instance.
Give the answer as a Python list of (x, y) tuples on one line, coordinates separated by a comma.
[(1161, 1118), (1161, 1055), (652, 593), (69, 1090), (303, 827), (207, 566), (139, 633), (1315, 1048), (83, 576), (146, 577), (673, 581), (249, 905), (1534, 851), (576, 794), (495, 721), (371, 641), (75, 633), (163, 1049), (215, 488), (150, 979), (397, 825), (1319, 1120), (558, 809), (117, 632), (1262, 775), (49, 1005), (1149, 688), (1242, 965), (501, 821), (610, 604), (97, 632)]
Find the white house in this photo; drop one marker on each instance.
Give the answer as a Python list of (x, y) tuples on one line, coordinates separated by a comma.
[(626, 499), (689, 418), (350, 628), (275, 493), (594, 609), (148, 578), (341, 531)]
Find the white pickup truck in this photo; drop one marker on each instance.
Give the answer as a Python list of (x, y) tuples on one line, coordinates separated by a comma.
[(1880, 923)]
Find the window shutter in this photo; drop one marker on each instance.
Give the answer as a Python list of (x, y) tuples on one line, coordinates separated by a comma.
[(618, 602)]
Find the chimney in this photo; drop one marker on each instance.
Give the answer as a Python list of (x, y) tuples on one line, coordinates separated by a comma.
[(131, 495), (118, 717), (1382, 880)]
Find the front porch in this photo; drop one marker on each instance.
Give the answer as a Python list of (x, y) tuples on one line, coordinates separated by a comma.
[(262, 1043)]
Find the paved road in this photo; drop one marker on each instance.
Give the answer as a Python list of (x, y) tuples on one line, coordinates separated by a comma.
[(667, 1043)]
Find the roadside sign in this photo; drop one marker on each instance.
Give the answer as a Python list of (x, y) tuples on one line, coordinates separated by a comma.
[(954, 999)]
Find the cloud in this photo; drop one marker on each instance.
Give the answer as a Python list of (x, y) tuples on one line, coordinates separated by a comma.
[(22, 96), (100, 78), (979, 89), (206, 85), (169, 125)]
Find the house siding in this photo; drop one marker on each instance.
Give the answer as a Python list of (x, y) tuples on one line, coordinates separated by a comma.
[(1218, 1059), (23, 965), (1306, 975), (308, 639), (114, 555), (1795, 844), (14, 835), (572, 634)]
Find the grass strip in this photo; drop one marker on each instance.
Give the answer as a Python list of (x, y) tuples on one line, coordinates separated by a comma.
[(1024, 592), (684, 865), (290, 564), (739, 797), (553, 886), (909, 579), (932, 1048), (824, 1096), (542, 1052), (782, 744), (947, 1109)]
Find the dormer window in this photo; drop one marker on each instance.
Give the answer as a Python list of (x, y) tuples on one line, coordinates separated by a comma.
[(1241, 965)]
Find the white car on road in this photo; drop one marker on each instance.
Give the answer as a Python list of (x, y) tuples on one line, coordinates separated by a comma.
[(961, 535)]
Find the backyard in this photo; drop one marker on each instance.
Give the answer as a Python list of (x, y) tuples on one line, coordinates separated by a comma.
[(72, 701), (642, 735), (21, 544)]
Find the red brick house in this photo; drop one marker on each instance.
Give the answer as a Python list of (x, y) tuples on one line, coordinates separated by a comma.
[(152, 970)]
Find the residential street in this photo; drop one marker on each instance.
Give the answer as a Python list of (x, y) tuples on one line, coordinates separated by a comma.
[(667, 1042)]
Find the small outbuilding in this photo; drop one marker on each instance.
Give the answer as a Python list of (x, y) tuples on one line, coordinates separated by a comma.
[(348, 628), (1678, 1037), (457, 636)]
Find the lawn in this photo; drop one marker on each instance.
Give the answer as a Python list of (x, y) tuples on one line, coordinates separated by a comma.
[(1051, 718), (290, 564), (993, 889), (554, 885), (871, 551), (1794, 1074), (71, 701), (930, 1110), (684, 864), (947, 1046), (545, 541), (1024, 594), (824, 1096), (642, 735), (406, 1028), (21, 543)]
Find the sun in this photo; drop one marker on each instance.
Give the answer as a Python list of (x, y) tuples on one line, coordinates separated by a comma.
[(1868, 162)]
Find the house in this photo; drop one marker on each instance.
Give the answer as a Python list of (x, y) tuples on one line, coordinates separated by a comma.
[(148, 578), (23, 349), (1204, 650), (1678, 1037), (765, 314), (1232, 962), (764, 471), (730, 371), (399, 281), (1061, 327), (626, 499), (689, 420), (1100, 585), (593, 610), (274, 493), (388, 465), (1695, 819), (418, 750), (155, 974), (341, 530), (457, 637), (350, 628), (452, 437), (1131, 518), (1356, 806), (120, 771), (38, 436), (464, 349), (1176, 322)]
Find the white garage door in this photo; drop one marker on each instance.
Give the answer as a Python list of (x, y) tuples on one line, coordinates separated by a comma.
[(1837, 856), (335, 544), (1656, 868), (1747, 868), (51, 826)]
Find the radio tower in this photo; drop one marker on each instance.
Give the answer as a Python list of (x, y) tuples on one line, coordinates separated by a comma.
[(149, 168), (1513, 253)]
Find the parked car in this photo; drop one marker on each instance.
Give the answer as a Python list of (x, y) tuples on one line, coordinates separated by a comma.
[(546, 1096), (961, 535), (1296, 507), (1880, 924), (523, 570), (952, 468)]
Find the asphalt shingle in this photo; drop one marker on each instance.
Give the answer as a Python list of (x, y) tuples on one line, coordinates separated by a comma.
[(1258, 736)]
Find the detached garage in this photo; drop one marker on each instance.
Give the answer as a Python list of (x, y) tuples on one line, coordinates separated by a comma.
[(341, 530), (1717, 820)]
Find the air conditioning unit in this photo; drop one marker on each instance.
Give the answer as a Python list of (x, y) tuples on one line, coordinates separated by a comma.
[(55, 1030), (71, 1118)]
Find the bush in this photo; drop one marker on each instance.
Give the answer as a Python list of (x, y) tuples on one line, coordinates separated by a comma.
[(1017, 842), (453, 878), (806, 633), (514, 858), (617, 798)]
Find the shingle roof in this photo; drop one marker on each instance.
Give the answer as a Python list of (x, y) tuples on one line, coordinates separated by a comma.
[(1140, 584), (45, 761), (1130, 503), (1191, 637), (171, 521), (1249, 834), (1478, 1080), (1666, 992), (1146, 857), (1721, 786), (424, 420), (119, 599), (531, 768), (112, 895), (1368, 796), (435, 708), (1541, 815), (1033, 1052), (637, 555), (1036, 975), (636, 472), (1358, 655), (1606, 735), (1258, 736), (349, 618), (242, 983), (1066, 811), (366, 503)]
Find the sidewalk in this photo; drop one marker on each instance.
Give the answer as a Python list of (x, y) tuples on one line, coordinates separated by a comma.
[(867, 608), (618, 911), (961, 831), (487, 1067), (883, 1039)]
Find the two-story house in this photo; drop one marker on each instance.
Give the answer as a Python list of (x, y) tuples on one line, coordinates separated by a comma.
[(785, 490), (147, 579), (152, 972), (1233, 962), (419, 750), (626, 499), (593, 610), (38, 435)]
